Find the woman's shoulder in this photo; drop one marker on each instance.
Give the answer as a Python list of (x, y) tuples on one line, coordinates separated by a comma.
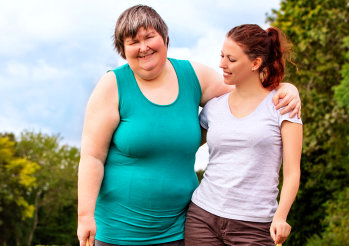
[(108, 79), (216, 101), (106, 87), (121, 68), (277, 112), (267, 105)]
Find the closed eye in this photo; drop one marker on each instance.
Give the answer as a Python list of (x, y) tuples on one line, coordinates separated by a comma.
[(231, 59), (131, 41)]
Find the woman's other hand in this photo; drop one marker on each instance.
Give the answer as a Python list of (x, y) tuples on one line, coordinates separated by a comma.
[(279, 231)]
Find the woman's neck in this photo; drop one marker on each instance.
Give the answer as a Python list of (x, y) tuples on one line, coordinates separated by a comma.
[(155, 78), (246, 97), (251, 88)]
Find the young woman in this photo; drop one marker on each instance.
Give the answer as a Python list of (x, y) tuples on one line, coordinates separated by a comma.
[(236, 202)]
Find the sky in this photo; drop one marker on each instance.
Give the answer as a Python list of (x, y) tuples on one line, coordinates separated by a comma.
[(53, 52)]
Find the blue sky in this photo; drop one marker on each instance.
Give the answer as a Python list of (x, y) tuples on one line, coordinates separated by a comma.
[(53, 52)]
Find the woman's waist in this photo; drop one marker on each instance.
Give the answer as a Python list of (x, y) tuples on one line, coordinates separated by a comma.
[(258, 202), (130, 224), (159, 189)]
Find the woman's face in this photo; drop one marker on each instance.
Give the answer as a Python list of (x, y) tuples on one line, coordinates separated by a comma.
[(146, 53), (236, 65)]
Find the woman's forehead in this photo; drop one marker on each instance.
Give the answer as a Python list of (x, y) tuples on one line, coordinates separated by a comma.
[(141, 31)]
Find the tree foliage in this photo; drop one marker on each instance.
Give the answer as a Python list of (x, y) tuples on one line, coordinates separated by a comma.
[(336, 222), (55, 196), (317, 30), (16, 181), (342, 90), (41, 190)]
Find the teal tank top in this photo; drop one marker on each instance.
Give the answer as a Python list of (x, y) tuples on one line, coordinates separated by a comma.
[(149, 172)]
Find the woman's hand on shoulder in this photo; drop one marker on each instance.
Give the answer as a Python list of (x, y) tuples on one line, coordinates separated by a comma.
[(211, 82), (290, 99)]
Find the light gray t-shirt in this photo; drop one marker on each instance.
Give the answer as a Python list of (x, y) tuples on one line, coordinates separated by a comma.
[(245, 154)]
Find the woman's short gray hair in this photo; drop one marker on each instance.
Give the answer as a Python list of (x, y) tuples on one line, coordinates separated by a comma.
[(132, 19)]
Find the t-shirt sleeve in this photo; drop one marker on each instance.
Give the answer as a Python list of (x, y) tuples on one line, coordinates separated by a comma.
[(286, 116), (203, 117)]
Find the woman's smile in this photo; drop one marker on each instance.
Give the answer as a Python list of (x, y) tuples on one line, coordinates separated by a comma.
[(226, 74), (146, 56)]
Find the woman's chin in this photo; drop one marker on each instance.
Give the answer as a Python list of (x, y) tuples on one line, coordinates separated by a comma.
[(228, 82)]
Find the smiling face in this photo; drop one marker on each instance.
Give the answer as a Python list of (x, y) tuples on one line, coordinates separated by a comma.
[(146, 53), (236, 65)]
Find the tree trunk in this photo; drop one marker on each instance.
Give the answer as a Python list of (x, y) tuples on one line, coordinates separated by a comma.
[(36, 219)]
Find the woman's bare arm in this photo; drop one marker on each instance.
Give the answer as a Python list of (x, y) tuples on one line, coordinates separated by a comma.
[(101, 120), (292, 149)]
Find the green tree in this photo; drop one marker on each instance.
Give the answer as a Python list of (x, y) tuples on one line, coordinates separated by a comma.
[(55, 196), (16, 182), (317, 29), (342, 90), (336, 222)]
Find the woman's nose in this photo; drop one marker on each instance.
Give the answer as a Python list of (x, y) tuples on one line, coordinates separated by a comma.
[(143, 46), (222, 63)]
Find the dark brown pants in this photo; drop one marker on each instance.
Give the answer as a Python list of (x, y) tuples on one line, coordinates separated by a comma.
[(175, 243), (205, 229)]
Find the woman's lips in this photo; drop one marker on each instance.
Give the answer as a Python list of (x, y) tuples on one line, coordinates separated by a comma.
[(146, 56), (226, 74)]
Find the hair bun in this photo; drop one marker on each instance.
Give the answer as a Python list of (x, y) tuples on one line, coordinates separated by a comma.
[(272, 33)]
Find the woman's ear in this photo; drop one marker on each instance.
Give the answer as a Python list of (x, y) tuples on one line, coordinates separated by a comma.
[(256, 64)]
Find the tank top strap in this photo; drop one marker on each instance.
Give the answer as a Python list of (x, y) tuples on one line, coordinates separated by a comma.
[(127, 87), (187, 80)]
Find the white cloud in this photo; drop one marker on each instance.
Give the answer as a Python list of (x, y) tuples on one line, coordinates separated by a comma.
[(44, 71), (12, 120), (15, 68), (180, 53), (37, 71), (206, 51)]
